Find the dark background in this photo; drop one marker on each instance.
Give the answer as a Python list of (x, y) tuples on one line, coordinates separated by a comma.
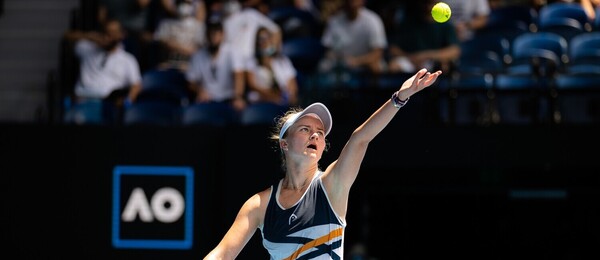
[(501, 192)]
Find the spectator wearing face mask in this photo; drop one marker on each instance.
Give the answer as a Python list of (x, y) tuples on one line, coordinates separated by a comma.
[(180, 37), (212, 69), (355, 40), (271, 75), (107, 72), (170, 8)]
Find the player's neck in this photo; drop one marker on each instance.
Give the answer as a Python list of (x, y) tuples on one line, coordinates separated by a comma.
[(299, 180)]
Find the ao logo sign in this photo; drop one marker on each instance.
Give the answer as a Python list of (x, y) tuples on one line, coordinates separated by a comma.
[(138, 205), (152, 207)]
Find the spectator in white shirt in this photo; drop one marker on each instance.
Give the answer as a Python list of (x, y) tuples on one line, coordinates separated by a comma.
[(105, 67), (271, 75), (211, 73), (241, 27), (181, 37), (108, 74), (355, 38)]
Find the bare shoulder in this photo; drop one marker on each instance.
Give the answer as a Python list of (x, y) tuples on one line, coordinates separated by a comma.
[(263, 197), (256, 206), (259, 200)]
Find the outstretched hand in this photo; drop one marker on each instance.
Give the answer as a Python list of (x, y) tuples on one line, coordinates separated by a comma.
[(417, 82)]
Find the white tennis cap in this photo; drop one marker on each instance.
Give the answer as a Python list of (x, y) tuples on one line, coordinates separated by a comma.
[(315, 108)]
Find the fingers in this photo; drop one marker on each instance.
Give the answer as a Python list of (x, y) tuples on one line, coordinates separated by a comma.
[(426, 78), (421, 80), (420, 74)]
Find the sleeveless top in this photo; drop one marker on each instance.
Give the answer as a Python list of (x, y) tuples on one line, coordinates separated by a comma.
[(310, 229)]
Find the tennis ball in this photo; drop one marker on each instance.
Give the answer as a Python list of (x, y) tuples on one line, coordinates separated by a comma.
[(441, 12)]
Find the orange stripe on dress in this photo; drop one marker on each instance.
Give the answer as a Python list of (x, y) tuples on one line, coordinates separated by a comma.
[(319, 241)]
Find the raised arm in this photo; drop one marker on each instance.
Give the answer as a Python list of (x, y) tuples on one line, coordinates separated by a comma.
[(342, 172)]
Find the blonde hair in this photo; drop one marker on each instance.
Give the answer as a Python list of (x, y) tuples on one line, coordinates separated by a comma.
[(280, 121)]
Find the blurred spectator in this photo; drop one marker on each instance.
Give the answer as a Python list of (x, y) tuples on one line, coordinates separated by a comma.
[(220, 10), (420, 42), (590, 7), (134, 16), (355, 38), (271, 75), (240, 27), (329, 8), (390, 12), (468, 16), (305, 5), (180, 37), (495, 4), (171, 8), (212, 70), (107, 71)]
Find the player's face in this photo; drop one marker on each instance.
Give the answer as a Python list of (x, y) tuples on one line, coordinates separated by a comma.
[(307, 137)]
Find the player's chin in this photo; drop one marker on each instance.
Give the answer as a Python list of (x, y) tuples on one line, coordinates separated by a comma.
[(312, 153)]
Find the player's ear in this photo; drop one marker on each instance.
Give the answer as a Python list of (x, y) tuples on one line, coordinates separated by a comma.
[(283, 145)]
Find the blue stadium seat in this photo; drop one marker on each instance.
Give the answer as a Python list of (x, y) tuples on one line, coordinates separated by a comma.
[(88, 112), (556, 12), (484, 54), (467, 101), (212, 114), (542, 54), (391, 81), (264, 113), (510, 21), (165, 85), (486, 62), (585, 46), (152, 113), (304, 52), (160, 101), (295, 23), (584, 54), (163, 78), (596, 22), (520, 100), (578, 99), (486, 43), (565, 19), (565, 27)]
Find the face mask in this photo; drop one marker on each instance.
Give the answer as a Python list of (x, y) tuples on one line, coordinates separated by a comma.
[(268, 51), (111, 45), (213, 48), (185, 10), (230, 7)]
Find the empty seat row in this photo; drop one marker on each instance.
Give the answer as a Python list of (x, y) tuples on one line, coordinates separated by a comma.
[(521, 99), (544, 53)]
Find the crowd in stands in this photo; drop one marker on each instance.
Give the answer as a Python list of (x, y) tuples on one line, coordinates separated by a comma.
[(189, 61)]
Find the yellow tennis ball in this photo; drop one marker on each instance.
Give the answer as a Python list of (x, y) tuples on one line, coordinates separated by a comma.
[(441, 12)]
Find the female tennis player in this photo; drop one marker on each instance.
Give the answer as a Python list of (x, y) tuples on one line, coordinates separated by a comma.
[(303, 215)]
